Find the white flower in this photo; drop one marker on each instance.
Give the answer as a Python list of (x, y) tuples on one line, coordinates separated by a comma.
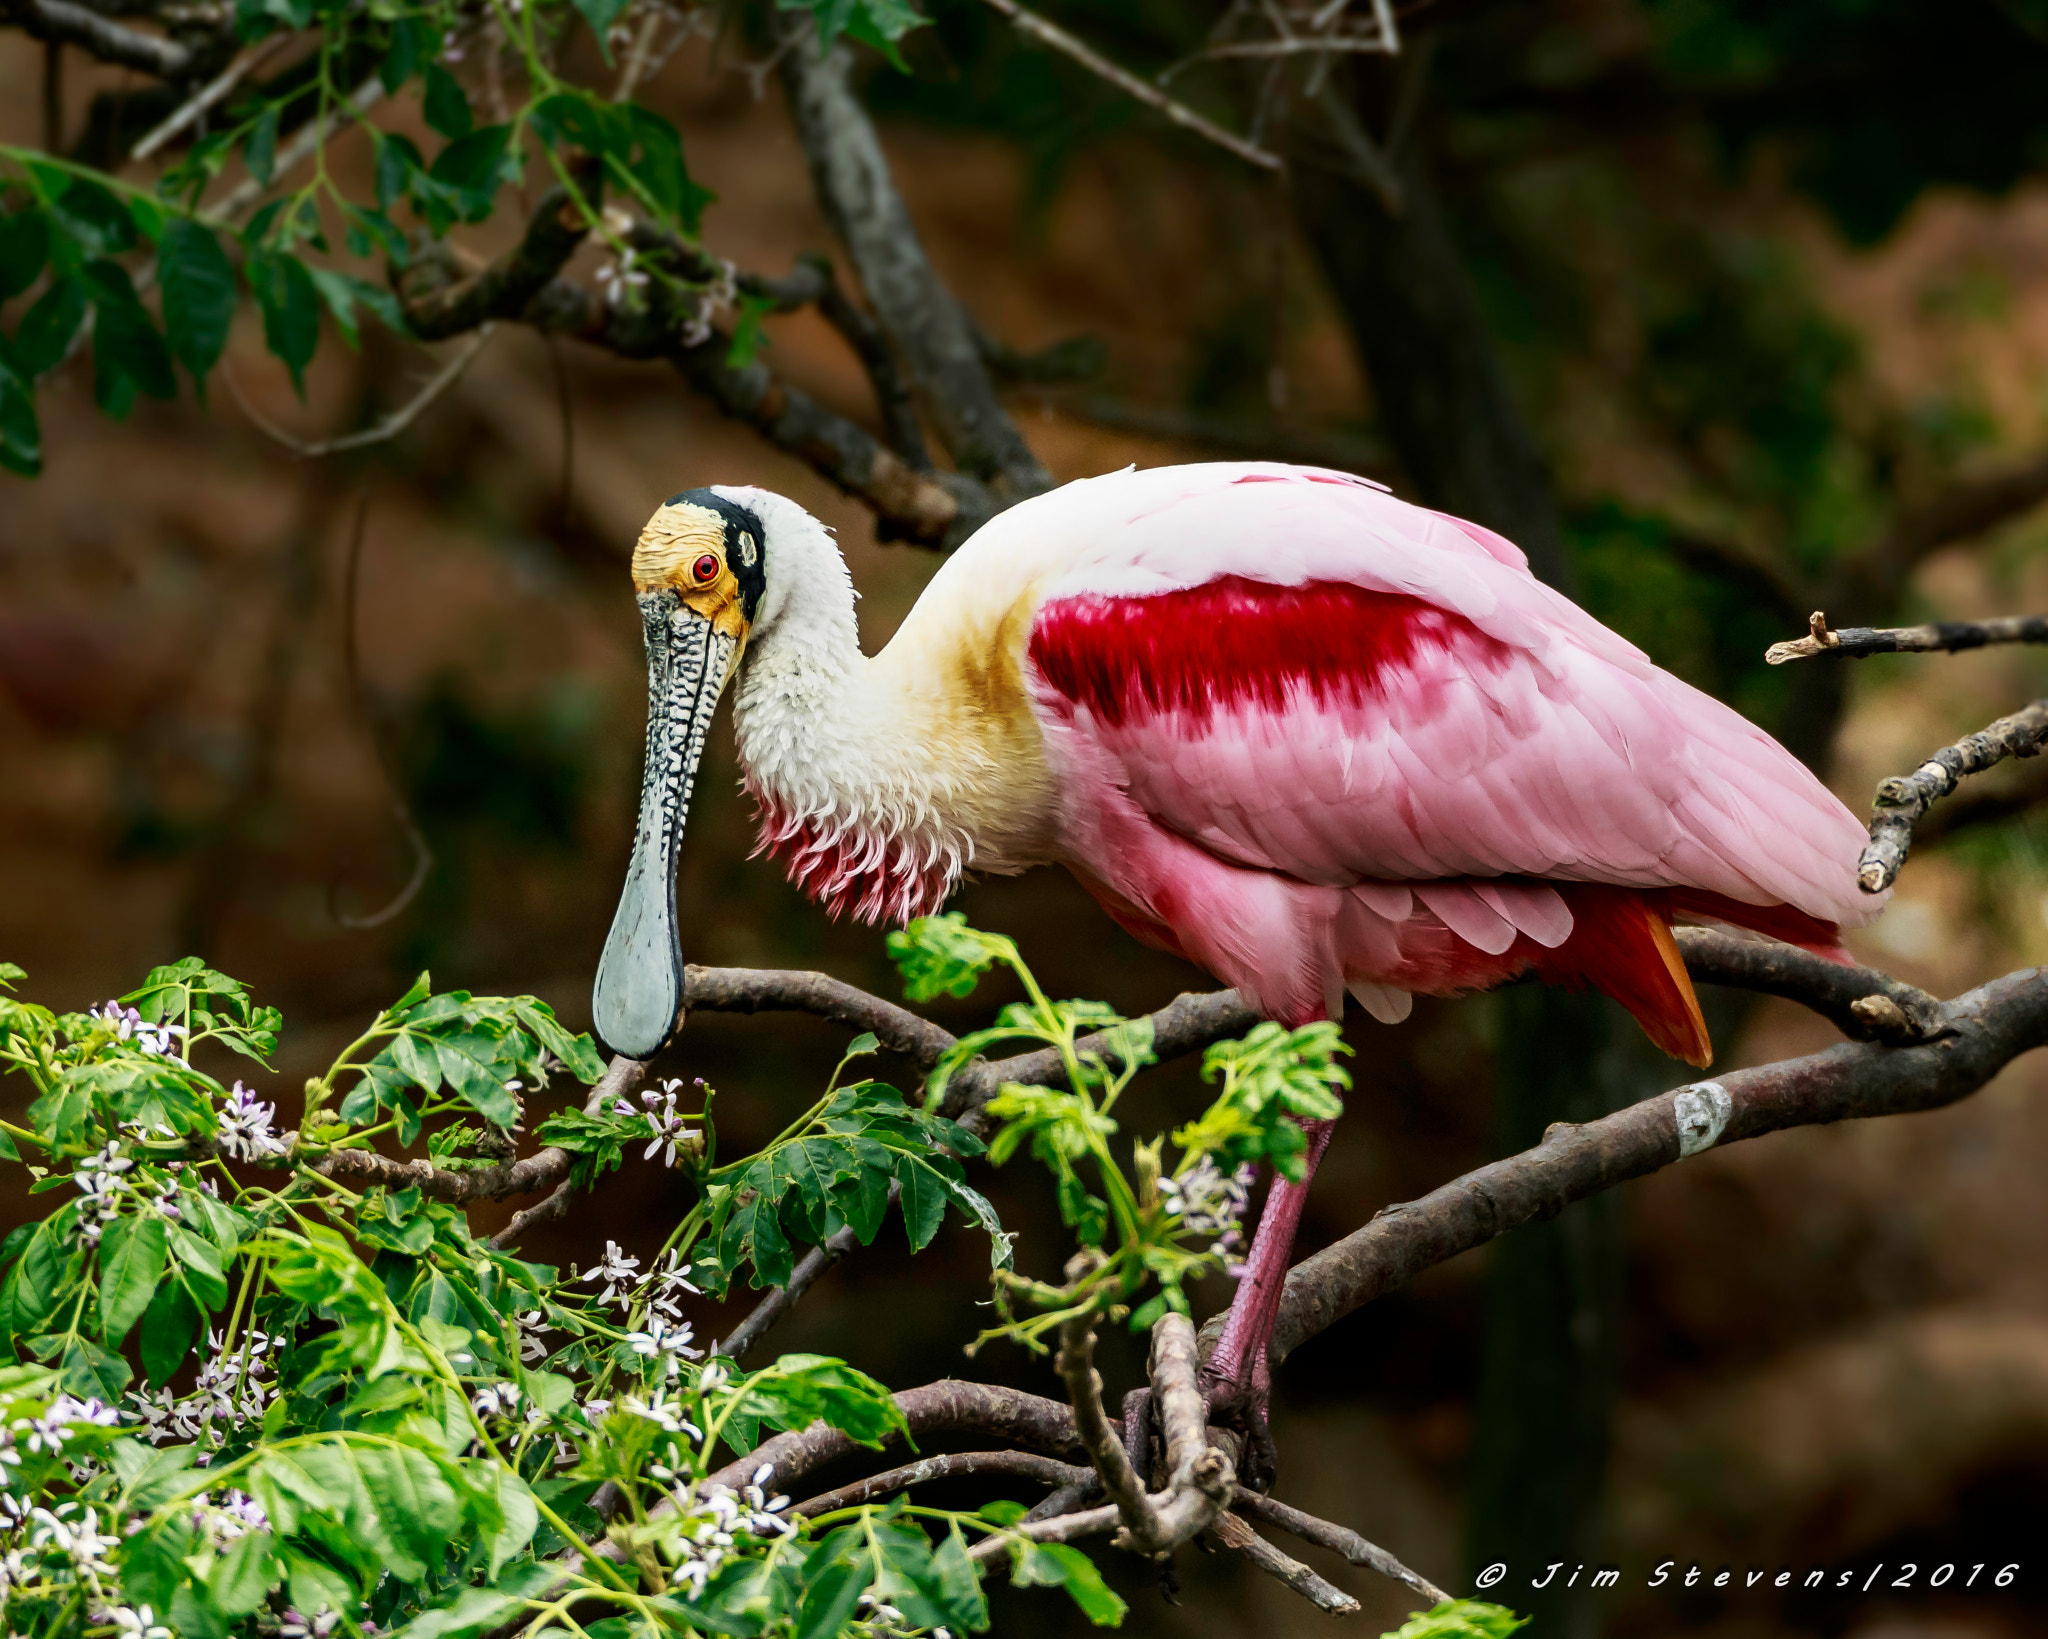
[(617, 1271), (532, 1325), (765, 1516), (667, 1342), (317, 1626), (666, 1283), (668, 1414), (1209, 1202), (878, 1611), (245, 1126), (670, 1129), (498, 1400), (138, 1623)]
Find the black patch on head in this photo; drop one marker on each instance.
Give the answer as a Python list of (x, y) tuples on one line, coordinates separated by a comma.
[(746, 543)]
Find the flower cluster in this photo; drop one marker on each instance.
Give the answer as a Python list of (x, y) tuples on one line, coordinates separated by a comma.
[(157, 1040), (229, 1393), (1210, 1201), (245, 1126), (671, 1129), (709, 1524)]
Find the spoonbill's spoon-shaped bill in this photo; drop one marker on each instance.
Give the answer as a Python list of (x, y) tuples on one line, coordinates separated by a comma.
[(698, 573)]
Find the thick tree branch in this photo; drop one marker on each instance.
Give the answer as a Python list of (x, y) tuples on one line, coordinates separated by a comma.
[(1010, 1417), (1988, 1028), (920, 316), (438, 306), (1903, 798), (1863, 1004), (1100, 1438)]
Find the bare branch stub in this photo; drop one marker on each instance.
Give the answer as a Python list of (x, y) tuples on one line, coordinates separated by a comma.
[(1935, 637), (1100, 1438), (1903, 798)]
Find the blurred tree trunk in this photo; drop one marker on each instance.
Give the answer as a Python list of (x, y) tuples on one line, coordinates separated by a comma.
[(1552, 1354)]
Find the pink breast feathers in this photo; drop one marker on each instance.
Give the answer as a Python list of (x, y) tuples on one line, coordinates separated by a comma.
[(850, 869)]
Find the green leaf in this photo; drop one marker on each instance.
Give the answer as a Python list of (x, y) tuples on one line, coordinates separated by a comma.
[(132, 1255), (1461, 1619), (21, 450), (259, 153), (804, 1388), (402, 58), (291, 310), (90, 215), (924, 1199), (129, 356), (1055, 1565), (24, 248), (243, 1575), (47, 328), (413, 1498), (943, 956), (655, 161), (830, 1599), (445, 104), (600, 15), (199, 294), (472, 169), (169, 1326)]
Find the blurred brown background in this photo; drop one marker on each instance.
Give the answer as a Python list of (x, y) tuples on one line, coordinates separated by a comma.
[(1836, 1341)]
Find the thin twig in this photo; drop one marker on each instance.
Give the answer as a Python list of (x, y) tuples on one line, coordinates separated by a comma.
[(1939, 636), (1051, 34), (384, 428), (1027, 1465), (212, 92), (1239, 1537), (1337, 1538), (1903, 798), (1100, 1438), (359, 698)]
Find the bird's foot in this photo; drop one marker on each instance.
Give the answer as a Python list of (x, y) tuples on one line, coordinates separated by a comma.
[(1239, 1405)]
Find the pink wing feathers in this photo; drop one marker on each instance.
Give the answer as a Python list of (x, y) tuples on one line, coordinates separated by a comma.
[(1296, 675)]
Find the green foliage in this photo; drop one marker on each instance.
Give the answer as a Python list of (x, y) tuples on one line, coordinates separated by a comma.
[(354, 1409), (1460, 1619), (1143, 1229), (83, 248)]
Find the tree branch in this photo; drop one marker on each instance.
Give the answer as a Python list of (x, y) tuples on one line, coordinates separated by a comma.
[(1987, 1029), (62, 22), (1026, 1465), (927, 327), (1337, 1538), (1903, 798), (1051, 34), (438, 305), (1863, 1004), (1239, 1537), (1940, 636)]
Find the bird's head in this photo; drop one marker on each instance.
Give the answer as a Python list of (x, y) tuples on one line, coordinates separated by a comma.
[(700, 570)]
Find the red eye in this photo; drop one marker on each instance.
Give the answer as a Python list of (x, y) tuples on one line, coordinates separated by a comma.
[(705, 570)]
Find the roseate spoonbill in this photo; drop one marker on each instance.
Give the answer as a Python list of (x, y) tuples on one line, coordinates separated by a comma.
[(1308, 736)]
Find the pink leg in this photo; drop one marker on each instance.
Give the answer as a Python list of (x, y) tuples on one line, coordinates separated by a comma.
[(1238, 1377)]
